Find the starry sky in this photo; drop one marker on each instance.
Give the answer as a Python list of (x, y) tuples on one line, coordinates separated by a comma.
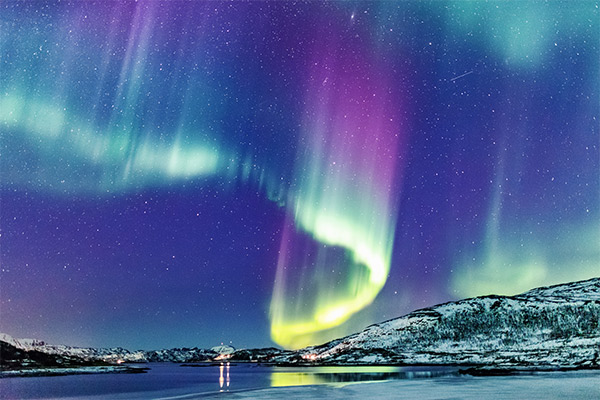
[(190, 173)]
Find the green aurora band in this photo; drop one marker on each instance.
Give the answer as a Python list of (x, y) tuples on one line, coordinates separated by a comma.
[(345, 200), (116, 119)]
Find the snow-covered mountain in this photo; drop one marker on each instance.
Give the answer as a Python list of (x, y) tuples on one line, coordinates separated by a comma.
[(121, 355), (548, 327), (181, 355), (114, 355), (19, 362)]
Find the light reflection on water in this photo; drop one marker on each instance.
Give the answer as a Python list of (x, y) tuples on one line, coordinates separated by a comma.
[(172, 381), (293, 376), (222, 379)]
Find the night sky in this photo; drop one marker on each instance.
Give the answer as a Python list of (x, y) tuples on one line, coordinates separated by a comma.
[(186, 173)]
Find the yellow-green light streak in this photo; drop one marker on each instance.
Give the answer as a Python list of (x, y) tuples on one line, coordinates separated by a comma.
[(336, 253)]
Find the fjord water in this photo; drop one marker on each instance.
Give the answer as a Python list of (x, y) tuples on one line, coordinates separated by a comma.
[(165, 380), (172, 381)]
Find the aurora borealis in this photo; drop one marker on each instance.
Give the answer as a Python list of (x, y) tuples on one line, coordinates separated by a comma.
[(185, 173)]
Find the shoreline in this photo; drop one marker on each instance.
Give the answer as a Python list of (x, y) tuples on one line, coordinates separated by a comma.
[(85, 370), (461, 369), (468, 388)]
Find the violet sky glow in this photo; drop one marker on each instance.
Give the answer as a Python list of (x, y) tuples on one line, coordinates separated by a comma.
[(345, 195), (178, 173)]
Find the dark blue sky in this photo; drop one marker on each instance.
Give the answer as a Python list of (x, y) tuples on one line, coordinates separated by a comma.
[(191, 173)]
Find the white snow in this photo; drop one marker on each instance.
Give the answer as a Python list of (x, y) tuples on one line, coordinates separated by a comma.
[(540, 386), (545, 327)]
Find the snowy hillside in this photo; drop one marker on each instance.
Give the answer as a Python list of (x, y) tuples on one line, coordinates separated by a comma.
[(121, 355), (16, 362), (114, 355), (550, 327), (181, 355)]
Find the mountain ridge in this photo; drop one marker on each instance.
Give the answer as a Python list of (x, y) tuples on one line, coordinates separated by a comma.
[(549, 327), (553, 326)]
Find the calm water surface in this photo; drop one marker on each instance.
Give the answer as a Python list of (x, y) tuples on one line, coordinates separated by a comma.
[(172, 381)]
